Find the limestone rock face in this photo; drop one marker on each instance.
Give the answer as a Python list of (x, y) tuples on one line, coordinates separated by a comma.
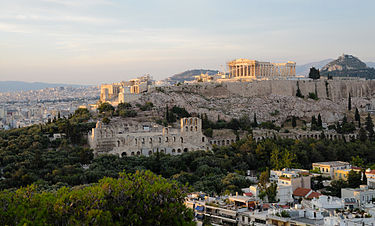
[(269, 100), (348, 65)]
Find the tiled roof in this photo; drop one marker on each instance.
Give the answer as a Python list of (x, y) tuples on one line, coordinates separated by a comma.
[(371, 172), (302, 192), (248, 194), (313, 195)]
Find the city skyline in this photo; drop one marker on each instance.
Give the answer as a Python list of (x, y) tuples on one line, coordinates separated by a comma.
[(102, 41)]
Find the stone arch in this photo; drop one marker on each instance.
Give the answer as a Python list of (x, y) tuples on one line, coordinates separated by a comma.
[(123, 154), (136, 141), (166, 139), (150, 152), (186, 150), (223, 142), (202, 139), (159, 140), (178, 150), (150, 140), (132, 154), (182, 140), (232, 141), (174, 139), (227, 142), (173, 151), (161, 151), (118, 143), (138, 153), (143, 140)]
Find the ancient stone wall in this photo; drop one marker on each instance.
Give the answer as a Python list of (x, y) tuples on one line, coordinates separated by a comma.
[(129, 139)]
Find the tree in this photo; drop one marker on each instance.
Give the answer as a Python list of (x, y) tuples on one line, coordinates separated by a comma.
[(275, 159), (299, 93), (349, 103), (319, 123), (362, 134), (255, 123), (314, 123), (105, 107), (357, 161), (271, 192), (369, 126), (357, 117), (109, 202), (264, 179), (106, 120), (335, 188), (314, 73), (354, 179), (294, 121)]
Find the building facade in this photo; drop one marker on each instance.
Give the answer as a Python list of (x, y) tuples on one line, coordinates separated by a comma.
[(124, 91), (129, 138), (329, 169)]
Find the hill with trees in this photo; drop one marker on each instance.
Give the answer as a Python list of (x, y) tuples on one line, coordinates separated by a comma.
[(348, 66), (189, 75)]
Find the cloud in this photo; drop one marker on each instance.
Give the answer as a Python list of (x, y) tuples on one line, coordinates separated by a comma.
[(79, 3), (14, 28)]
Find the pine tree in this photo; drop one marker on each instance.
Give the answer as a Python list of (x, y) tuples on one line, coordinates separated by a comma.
[(350, 103), (314, 73)]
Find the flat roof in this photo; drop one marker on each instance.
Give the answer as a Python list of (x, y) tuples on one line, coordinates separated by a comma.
[(332, 163)]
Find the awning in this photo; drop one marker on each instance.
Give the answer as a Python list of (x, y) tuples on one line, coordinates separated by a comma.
[(199, 208)]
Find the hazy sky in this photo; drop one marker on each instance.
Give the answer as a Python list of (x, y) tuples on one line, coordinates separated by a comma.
[(95, 41)]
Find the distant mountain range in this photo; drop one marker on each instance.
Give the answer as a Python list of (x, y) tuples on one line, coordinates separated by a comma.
[(13, 86), (304, 69)]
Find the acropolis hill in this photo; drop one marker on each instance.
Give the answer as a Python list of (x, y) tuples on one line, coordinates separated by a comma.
[(266, 89), (235, 99)]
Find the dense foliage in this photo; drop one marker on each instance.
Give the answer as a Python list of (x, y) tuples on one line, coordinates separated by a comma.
[(133, 199)]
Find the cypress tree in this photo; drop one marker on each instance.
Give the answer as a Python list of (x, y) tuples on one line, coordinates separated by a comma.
[(357, 117), (255, 123), (369, 126), (320, 123), (294, 121)]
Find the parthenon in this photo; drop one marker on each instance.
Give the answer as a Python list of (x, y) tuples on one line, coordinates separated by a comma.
[(245, 68)]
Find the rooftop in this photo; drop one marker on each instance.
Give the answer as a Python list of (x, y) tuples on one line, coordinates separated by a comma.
[(332, 163)]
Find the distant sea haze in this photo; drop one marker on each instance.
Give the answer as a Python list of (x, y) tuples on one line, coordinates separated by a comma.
[(14, 86)]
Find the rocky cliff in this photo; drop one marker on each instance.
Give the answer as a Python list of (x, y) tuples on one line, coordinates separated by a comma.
[(271, 100)]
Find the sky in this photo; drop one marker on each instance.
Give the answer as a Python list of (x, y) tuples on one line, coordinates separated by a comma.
[(104, 41)]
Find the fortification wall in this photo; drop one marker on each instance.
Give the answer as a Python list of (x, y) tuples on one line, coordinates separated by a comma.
[(331, 89)]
